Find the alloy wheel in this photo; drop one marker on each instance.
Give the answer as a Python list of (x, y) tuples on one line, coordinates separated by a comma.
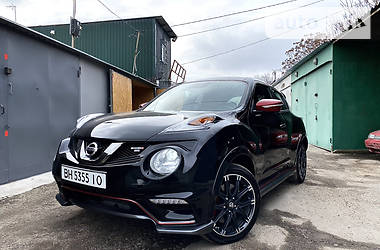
[(234, 205)]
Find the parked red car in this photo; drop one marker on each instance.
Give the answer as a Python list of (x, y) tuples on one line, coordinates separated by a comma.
[(373, 142)]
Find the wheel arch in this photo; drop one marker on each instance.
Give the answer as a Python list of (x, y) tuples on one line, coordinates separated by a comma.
[(238, 155), (245, 161), (237, 150)]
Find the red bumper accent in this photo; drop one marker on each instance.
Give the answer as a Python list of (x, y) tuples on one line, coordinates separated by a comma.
[(373, 145), (134, 202)]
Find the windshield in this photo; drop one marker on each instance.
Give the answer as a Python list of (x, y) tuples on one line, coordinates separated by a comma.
[(201, 96)]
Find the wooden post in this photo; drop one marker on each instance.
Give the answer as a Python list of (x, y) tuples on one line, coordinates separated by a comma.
[(136, 53)]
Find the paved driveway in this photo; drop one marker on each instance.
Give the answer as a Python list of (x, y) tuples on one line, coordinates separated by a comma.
[(338, 207)]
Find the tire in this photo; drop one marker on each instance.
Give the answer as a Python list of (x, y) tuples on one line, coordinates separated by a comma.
[(236, 209), (300, 165)]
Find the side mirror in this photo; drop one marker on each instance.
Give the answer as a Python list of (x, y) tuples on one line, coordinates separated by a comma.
[(142, 105), (269, 105)]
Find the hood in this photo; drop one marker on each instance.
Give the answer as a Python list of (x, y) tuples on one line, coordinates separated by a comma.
[(133, 126)]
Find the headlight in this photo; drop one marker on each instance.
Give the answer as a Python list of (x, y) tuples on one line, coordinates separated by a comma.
[(86, 118), (199, 121), (372, 136), (165, 161), (195, 123)]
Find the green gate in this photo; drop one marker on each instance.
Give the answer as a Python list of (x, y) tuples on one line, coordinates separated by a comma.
[(312, 101)]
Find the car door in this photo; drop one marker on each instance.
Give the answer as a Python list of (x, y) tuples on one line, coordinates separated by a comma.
[(286, 126), (270, 128)]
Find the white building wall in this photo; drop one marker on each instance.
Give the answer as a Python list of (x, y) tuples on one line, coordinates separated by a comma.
[(285, 87)]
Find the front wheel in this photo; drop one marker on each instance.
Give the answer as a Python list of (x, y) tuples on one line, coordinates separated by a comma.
[(237, 204)]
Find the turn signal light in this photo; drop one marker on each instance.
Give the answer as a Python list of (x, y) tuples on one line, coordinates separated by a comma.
[(202, 120), (168, 201)]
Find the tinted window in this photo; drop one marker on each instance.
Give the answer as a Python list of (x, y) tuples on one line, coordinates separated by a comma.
[(261, 92), (201, 96), (277, 95)]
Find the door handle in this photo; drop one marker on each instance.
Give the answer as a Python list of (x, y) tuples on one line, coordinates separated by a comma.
[(10, 88), (2, 112)]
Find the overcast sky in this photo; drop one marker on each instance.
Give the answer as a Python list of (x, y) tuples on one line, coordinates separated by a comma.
[(252, 60)]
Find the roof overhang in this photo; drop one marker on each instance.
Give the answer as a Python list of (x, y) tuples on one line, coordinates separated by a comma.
[(46, 39), (166, 27)]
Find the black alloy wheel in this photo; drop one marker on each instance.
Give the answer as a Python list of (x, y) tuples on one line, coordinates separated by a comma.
[(301, 164), (236, 206)]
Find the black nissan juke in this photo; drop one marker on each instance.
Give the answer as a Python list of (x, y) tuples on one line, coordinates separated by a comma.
[(195, 160)]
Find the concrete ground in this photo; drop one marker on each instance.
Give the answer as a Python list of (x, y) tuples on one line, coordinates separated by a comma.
[(338, 207)]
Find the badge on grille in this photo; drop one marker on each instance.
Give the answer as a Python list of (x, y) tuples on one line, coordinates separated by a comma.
[(91, 149), (137, 149)]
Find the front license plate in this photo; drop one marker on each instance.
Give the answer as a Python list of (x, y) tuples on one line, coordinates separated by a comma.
[(84, 176)]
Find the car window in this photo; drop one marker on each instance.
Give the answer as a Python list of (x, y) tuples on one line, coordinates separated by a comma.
[(201, 96), (278, 96), (260, 92)]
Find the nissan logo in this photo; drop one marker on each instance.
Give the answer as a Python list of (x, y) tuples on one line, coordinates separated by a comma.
[(91, 149)]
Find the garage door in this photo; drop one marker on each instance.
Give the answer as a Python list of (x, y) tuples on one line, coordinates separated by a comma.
[(312, 101), (4, 175), (42, 103)]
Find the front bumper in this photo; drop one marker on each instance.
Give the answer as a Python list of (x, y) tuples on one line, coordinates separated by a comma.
[(129, 192), (129, 209), (373, 145)]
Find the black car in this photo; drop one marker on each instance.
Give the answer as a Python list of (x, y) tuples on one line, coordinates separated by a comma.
[(195, 160)]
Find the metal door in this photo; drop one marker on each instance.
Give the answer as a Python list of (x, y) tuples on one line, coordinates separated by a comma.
[(4, 165), (323, 107), (311, 112), (43, 103), (319, 105)]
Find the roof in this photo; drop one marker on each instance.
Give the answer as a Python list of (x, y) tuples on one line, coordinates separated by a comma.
[(165, 26), (38, 36), (302, 61), (372, 12), (249, 80), (285, 75), (159, 19)]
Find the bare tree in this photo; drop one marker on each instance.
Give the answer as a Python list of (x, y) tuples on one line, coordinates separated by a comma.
[(354, 12), (268, 77), (301, 49)]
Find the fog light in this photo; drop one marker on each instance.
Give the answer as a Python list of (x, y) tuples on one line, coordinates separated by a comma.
[(168, 201)]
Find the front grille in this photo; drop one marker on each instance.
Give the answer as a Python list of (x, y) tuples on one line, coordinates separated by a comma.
[(125, 155), (74, 145), (128, 153)]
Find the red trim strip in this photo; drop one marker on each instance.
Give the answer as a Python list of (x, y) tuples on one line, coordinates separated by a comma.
[(134, 202)]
